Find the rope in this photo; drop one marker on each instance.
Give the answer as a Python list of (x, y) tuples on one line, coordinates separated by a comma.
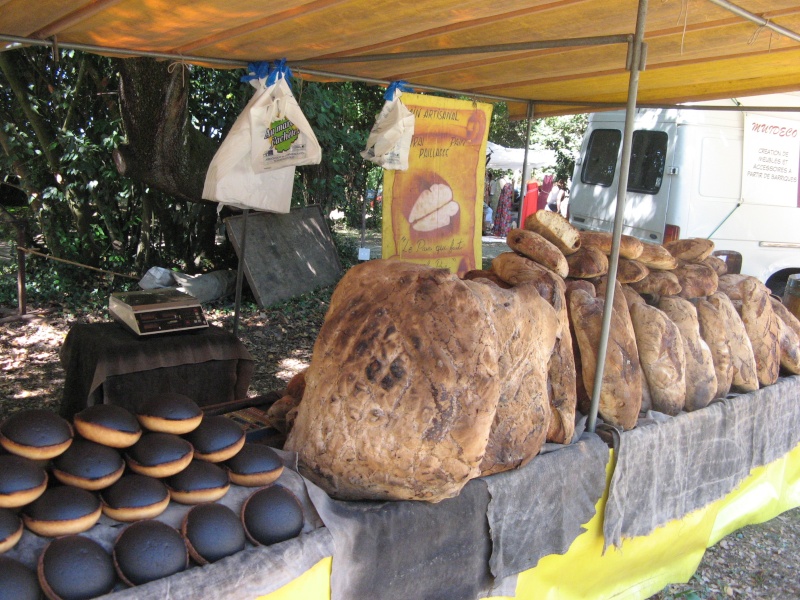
[(69, 262)]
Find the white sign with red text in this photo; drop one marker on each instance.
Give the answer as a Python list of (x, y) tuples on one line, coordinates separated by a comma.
[(771, 160)]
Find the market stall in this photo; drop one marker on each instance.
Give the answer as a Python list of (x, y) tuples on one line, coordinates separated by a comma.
[(711, 55)]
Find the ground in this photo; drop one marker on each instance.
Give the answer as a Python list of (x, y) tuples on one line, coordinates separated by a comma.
[(757, 562)]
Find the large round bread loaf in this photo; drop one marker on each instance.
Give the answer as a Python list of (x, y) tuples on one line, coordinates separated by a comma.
[(713, 331), (515, 269), (538, 249), (555, 229), (701, 379), (658, 283), (763, 329), (476, 274), (690, 249), (661, 357), (790, 337), (696, 280), (406, 377), (629, 246), (587, 263), (720, 266), (733, 286), (655, 256), (631, 271), (621, 392)]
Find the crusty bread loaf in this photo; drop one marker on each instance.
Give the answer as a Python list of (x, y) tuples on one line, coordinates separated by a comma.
[(278, 411), (661, 357), (420, 381), (655, 256), (621, 392), (535, 247), (690, 249), (733, 286), (629, 246), (745, 375), (720, 266), (580, 284), (790, 337), (713, 331), (631, 271), (701, 379), (632, 296), (555, 229), (515, 269), (763, 329), (696, 280), (658, 283), (488, 274), (561, 374), (587, 262)]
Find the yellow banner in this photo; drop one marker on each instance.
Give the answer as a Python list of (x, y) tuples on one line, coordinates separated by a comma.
[(433, 212)]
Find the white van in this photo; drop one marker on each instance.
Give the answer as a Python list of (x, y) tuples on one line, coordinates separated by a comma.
[(728, 176)]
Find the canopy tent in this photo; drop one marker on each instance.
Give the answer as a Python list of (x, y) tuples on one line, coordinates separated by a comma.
[(544, 57), (500, 157), (549, 51)]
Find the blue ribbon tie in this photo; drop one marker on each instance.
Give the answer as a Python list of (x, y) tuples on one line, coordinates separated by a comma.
[(280, 70), (397, 86), (256, 70)]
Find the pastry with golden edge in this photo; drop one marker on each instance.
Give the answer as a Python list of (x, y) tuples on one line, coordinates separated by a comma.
[(254, 465), (200, 482), (19, 582), (149, 550), (10, 529), (109, 425), (272, 515), (212, 532), (37, 433), (216, 439), (62, 510), (75, 566), (21, 481), (135, 497), (169, 413), (88, 465), (159, 455)]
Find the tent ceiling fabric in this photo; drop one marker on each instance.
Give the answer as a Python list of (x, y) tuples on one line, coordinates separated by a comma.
[(696, 50)]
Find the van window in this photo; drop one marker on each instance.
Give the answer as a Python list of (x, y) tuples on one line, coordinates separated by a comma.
[(648, 157), (601, 157)]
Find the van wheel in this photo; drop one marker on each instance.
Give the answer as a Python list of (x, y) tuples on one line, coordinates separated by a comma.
[(777, 282)]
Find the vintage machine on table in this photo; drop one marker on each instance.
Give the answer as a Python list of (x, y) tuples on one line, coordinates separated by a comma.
[(151, 312)]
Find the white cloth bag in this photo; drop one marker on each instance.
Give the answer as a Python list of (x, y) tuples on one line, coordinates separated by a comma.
[(231, 179), (389, 141), (281, 134)]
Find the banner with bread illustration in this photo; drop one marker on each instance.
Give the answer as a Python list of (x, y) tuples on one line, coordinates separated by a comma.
[(433, 212)]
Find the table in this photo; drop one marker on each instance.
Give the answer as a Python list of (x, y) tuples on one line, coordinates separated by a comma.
[(105, 363)]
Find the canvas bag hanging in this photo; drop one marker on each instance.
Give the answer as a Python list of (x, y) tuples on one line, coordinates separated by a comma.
[(389, 140), (231, 179), (281, 134)]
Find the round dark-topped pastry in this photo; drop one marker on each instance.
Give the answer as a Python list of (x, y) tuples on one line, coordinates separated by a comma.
[(135, 497), (272, 515), (159, 455), (19, 582), (21, 481), (149, 550), (75, 567), (212, 531), (169, 413), (37, 433), (62, 510), (254, 465), (88, 465), (199, 482), (108, 425), (10, 529), (216, 439)]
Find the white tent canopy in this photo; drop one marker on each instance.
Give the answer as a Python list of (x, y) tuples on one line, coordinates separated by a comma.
[(499, 157)]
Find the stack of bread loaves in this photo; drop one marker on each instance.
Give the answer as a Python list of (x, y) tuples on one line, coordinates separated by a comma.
[(420, 381)]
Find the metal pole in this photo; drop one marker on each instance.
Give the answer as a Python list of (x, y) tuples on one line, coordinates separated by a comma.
[(761, 21), (627, 139), (22, 298), (524, 183), (240, 273)]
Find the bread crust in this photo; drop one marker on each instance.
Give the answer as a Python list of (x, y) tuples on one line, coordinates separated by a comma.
[(658, 283), (107, 436), (629, 246), (167, 469), (557, 230), (89, 484), (655, 256), (690, 249), (255, 479), (696, 280), (59, 528), (129, 514), (175, 426), (223, 454), (588, 262), (34, 452), (198, 496), (538, 249), (23, 497)]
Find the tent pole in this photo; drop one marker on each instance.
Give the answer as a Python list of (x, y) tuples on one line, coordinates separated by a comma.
[(240, 274), (525, 173), (636, 64)]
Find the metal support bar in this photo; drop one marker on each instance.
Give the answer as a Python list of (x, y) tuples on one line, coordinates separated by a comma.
[(598, 40), (525, 173), (240, 274), (761, 21), (627, 139)]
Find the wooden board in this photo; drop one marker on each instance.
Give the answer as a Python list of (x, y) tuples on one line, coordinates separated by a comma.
[(285, 255)]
